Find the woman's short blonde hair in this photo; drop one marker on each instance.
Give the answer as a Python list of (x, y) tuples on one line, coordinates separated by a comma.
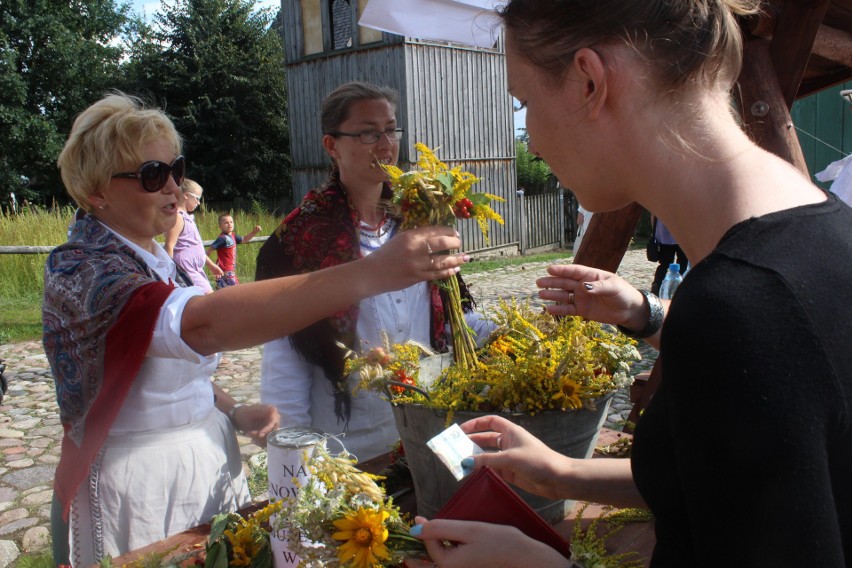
[(107, 138)]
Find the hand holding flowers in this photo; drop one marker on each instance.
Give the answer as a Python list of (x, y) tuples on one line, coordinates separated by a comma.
[(434, 194)]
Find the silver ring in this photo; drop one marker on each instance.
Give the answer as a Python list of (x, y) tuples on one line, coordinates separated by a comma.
[(570, 297), (500, 442), (428, 248)]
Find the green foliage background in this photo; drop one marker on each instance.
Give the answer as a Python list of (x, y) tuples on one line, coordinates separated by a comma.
[(215, 66), (534, 175)]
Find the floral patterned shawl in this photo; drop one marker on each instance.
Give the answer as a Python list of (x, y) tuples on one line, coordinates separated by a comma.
[(320, 233), (101, 301)]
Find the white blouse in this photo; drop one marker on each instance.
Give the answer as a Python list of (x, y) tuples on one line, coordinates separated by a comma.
[(302, 393), (173, 385)]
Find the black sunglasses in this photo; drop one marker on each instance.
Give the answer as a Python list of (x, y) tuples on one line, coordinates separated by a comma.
[(154, 175)]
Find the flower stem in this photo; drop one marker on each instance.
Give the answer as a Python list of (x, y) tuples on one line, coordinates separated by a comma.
[(464, 348)]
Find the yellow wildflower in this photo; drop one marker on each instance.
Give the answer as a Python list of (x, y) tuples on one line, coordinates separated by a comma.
[(364, 533), (569, 394)]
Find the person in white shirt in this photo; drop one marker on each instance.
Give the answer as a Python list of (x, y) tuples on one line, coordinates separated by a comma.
[(343, 220), (150, 447)]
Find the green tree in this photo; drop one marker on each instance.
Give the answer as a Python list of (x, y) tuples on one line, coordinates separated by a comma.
[(217, 68), (533, 174), (55, 59)]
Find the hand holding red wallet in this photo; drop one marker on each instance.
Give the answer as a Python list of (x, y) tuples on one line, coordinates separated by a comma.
[(490, 525), (486, 498)]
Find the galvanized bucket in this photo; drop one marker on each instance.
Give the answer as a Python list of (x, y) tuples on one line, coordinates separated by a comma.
[(572, 433)]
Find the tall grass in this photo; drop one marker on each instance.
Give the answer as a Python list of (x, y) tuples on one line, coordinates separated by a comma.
[(22, 275)]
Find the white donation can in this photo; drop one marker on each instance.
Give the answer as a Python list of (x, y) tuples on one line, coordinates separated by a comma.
[(288, 452)]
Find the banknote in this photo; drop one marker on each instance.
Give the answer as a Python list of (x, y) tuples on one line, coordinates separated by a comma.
[(452, 446)]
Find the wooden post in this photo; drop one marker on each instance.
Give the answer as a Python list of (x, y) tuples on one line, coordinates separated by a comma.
[(764, 111), (607, 238)]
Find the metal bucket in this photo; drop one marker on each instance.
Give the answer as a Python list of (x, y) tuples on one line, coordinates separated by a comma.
[(288, 452), (572, 433)]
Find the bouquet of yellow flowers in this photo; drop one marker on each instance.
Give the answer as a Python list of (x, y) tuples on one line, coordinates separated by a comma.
[(341, 517), (434, 194), (532, 362), (238, 541)]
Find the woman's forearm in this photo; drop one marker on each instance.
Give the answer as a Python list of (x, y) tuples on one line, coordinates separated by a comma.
[(606, 481), (250, 314)]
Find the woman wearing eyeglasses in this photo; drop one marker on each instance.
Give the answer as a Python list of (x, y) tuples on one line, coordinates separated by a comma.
[(150, 446), (343, 220), (183, 241)]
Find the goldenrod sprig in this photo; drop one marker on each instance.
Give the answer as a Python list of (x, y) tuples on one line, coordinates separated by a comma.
[(534, 362)]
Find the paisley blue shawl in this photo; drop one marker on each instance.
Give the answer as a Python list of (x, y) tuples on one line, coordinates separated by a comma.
[(101, 302)]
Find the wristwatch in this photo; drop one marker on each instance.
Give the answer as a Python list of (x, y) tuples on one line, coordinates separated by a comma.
[(233, 411), (655, 320)]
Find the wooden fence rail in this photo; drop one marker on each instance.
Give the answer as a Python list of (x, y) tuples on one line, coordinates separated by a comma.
[(541, 224), (47, 249)]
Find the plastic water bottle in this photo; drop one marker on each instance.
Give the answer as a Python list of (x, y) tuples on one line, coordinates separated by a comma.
[(671, 282)]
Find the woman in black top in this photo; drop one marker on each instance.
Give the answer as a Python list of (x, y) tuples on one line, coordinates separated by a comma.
[(745, 453)]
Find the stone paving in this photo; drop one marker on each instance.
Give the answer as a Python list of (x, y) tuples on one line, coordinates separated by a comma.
[(30, 432)]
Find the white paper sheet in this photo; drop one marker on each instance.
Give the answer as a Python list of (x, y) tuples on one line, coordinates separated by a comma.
[(471, 22)]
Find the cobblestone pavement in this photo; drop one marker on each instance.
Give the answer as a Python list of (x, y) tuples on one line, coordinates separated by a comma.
[(30, 432)]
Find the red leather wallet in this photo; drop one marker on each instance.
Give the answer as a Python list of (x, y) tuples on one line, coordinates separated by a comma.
[(486, 498)]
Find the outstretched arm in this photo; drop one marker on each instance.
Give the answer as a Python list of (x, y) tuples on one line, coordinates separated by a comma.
[(251, 234), (257, 312)]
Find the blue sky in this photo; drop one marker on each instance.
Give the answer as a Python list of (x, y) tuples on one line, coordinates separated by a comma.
[(149, 7)]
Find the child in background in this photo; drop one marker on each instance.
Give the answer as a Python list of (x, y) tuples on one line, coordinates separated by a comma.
[(226, 250), (183, 241)]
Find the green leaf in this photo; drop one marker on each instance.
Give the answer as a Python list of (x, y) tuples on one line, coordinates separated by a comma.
[(263, 559), (217, 556), (218, 526), (446, 180), (479, 199)]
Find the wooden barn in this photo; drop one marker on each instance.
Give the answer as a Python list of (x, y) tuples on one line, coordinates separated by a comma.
[(452, 97)]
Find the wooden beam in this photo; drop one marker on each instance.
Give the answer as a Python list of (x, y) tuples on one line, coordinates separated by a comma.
[(834, 45), (792, 42), (607, 238), (811, 86), (764, 110)]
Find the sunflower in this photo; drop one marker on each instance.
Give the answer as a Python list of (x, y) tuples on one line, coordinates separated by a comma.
[(365, 534), (569, 394)]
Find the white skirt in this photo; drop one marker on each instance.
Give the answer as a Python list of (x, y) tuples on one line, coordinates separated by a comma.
[(144, 487)]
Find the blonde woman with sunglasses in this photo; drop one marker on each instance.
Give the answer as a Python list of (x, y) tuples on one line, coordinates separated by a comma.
[(183, 240), (150, 445)]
